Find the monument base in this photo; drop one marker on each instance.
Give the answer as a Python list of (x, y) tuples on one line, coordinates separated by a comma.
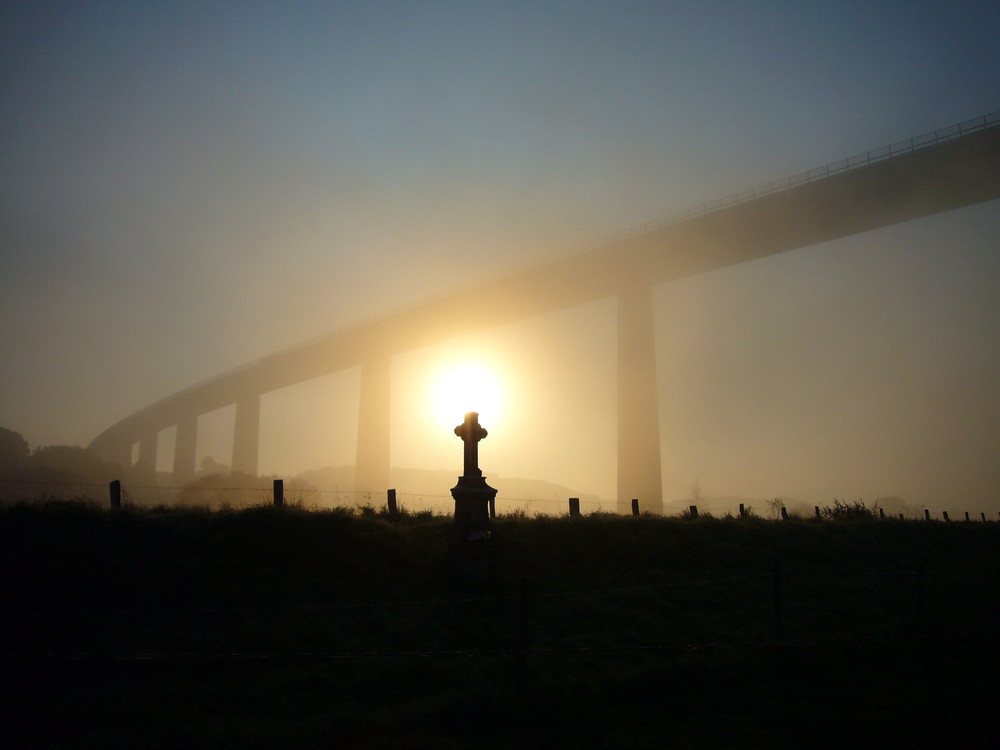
[(472, 508), (473, 550)]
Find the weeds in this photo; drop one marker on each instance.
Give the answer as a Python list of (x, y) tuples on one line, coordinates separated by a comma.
[(856, 511), (78, 579)]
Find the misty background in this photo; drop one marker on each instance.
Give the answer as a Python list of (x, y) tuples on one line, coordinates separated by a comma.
[(186, 187)]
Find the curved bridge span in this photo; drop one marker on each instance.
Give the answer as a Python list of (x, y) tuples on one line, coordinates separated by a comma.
[(945, 170)]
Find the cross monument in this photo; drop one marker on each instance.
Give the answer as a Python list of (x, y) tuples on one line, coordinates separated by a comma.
[(471, 433), (472, 494)]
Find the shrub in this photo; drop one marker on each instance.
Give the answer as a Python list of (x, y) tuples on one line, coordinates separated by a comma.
[(843, 511)]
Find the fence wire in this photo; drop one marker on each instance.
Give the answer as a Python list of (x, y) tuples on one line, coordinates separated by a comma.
[(227, 497)]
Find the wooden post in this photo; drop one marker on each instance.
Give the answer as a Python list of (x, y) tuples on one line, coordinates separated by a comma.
[(391, 502), (927, 514), (635, 506), (983, 517), (900, 516), (944, 513), (776, 585), (966, 516), (279, 492), (784, 513), (694, 511), (574, 507), (115, 489), (817, 511), (743, 511), (881, 513)]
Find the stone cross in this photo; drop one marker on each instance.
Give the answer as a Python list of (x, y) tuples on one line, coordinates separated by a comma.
[(471, 433)]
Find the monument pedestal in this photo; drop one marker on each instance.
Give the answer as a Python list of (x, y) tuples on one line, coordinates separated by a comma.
[(473, 557), (472, 508)]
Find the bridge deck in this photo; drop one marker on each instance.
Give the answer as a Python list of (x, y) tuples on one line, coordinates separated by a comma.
[(941, 177)]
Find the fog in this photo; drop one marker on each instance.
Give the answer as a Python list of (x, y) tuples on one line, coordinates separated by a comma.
[(185, 191)]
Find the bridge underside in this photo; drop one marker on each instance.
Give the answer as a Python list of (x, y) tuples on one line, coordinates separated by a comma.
[(942, 177)]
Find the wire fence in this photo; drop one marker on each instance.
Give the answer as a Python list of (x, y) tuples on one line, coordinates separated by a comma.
[(801, 603), (228, 495)]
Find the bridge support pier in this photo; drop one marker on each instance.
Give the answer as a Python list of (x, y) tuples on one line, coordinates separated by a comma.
[(639, 473), (246, 434), (184, 448), (146, 464), (117, 452), (372, 464)]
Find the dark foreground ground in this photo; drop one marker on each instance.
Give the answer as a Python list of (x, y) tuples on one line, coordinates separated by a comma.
[(286, 628)]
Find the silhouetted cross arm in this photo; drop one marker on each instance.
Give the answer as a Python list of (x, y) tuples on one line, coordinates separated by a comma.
[(471, 433)]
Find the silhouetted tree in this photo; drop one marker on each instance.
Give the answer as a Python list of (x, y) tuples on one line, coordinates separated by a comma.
[(63, 471), (13, 449), (75, 461)]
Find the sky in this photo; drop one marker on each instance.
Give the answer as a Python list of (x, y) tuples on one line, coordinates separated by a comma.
[(188, 186)]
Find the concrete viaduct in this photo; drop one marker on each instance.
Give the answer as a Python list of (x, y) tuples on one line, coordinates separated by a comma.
[(942, 171)]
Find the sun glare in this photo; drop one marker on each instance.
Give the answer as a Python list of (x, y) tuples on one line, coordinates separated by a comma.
[(464, 389)]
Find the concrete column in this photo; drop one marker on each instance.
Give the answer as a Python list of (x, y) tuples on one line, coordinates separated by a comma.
[(116, 451), (372, 466), (246, 434), (184, 448), (639, 474), (147, 452)]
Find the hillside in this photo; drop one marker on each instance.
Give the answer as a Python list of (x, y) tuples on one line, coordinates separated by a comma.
[(282, 627)]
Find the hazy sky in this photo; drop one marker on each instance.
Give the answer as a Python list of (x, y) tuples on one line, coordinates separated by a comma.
[(187, 186)]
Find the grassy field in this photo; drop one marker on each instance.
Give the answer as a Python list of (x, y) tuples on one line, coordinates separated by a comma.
[(283, 627)]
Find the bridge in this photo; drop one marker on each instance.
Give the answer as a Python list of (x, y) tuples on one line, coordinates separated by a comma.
[(941, 171)]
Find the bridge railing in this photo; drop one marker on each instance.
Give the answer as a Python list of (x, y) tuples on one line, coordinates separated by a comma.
[(899, 148)]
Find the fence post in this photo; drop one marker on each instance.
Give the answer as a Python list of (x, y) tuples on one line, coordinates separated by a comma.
[(927, 514), (279, 492), (944, 513), (694, 511), (966, 516), (784, 513), (983, 516), (635, 506), (574, 507), (115, 489), (900, 516), (817, 511), (881, 513), (390, 501)]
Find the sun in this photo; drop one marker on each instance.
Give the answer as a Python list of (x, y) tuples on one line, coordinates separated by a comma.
[(466, 388)]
